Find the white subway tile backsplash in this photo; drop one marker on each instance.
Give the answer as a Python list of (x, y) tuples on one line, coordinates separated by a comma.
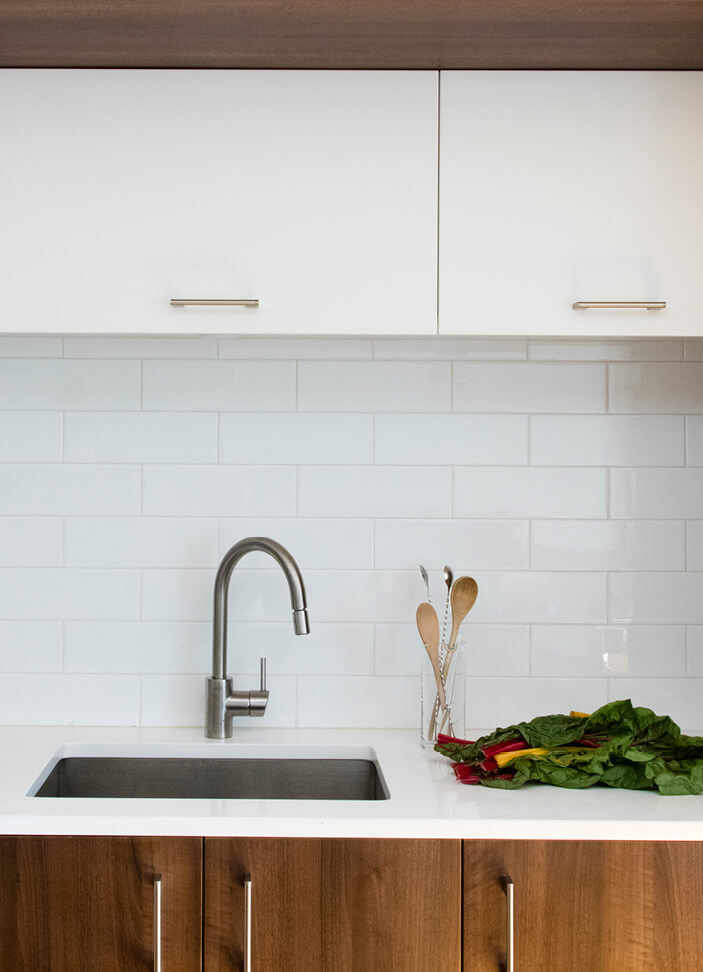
[(27, 541), (141, 542), (492, 702), (679, 698), (139, 347), (61, 593), (297, 438), (450, 349), (613, 651), (179, 437), (219, 385), (219, 490), (69, 700), (480, 544), (694, 440), (451, 439), (69, 490), (315, 543), (529, 387), (656, 598), (663, 388), (607, 440), (656, 493), (596, 349), (30, 646), (529, 491), (296, 348), (580, 516), (608, 545), (30, 437), (357, 700), (34, 383), (374, 491), (359, 386)]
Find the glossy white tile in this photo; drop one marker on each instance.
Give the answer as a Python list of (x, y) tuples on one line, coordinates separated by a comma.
[(298, 438), (62, 593), (451, 439), (694, 440), (30, 541), (219, 490), (56, 489), (613, 651), (34, 383), (478, 544), (141, 542), (693, 350), (529, 387), (69, 700), (30, 347), (138, 647), (539, 597), (607, 545), (595, 349), (496, 650), (663, 388), (30, 437), (492, 702), (519, 491), (177, 437), (357, 700), (694, 545), (219, 385), (374, 491), (31, 646), (656, 598), (607, 440), (694, 650), (359, 386), (180, 595), (316, 543), (656, 493), (450, 349), (329, 648), (301, 348), (95, 346)]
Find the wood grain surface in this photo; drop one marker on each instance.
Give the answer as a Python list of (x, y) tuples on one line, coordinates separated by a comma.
[(81, 904), (587, 34), (602, 906), (337, 905)]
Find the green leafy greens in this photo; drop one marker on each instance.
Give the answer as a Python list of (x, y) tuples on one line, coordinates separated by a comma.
[(619, 745)]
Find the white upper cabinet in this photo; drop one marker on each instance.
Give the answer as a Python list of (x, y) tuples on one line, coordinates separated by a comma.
[(313, 193), (566, 187)]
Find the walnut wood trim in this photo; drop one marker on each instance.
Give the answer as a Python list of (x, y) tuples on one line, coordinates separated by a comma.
[(430, 34)]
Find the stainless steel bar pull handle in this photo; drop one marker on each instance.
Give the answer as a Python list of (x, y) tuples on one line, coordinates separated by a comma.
[(247, 923), (619, 305), (509, 925), (214, 302), (157, 923)]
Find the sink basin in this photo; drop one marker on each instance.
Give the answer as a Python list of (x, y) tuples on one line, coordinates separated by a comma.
[(204, 777)]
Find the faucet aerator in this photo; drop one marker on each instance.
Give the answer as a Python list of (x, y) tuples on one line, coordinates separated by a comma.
[(301, 622)]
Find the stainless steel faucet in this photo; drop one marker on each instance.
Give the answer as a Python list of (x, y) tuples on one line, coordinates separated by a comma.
[(222, 701)]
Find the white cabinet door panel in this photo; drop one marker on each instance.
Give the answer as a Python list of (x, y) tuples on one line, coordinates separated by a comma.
[(558, 187), (314, 192)]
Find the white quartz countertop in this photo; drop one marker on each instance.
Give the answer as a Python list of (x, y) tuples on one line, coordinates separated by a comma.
[(425, 800)]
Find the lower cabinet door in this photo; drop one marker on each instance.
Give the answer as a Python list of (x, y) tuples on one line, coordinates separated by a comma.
[(83, 904), (332, 905), (584, 906)]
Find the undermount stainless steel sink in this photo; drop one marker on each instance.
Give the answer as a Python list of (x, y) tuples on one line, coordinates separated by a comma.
[(211, 778)]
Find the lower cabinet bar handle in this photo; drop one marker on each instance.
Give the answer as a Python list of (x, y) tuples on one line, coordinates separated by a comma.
[(619, 305), (247, 923), (214, 302), (157, 923), (509, 925)]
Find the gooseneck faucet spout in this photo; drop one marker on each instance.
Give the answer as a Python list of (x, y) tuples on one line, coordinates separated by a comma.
[(222, 701)]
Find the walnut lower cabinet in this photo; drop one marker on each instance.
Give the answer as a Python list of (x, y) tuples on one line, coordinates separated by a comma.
[(81, 904), (333, 905), (584, 906)]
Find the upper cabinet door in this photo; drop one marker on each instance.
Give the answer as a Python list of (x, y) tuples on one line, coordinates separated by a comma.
[(566, 187), (313, 193)]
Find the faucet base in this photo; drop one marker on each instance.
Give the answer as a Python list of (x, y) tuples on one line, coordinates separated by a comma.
[(223, 703)]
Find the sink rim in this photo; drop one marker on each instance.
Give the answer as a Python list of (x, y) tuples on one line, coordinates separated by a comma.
[(211, 750)]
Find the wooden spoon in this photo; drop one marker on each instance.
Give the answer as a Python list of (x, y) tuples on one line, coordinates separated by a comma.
[(463, 598), (428, 626)]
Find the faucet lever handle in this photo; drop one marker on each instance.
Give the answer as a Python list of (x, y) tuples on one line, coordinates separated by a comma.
[(262, 675)]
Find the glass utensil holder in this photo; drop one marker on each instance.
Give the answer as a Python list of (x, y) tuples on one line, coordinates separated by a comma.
[(435, 718)]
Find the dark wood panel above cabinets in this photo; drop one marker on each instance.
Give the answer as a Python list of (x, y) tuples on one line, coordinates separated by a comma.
[(429, 34)]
